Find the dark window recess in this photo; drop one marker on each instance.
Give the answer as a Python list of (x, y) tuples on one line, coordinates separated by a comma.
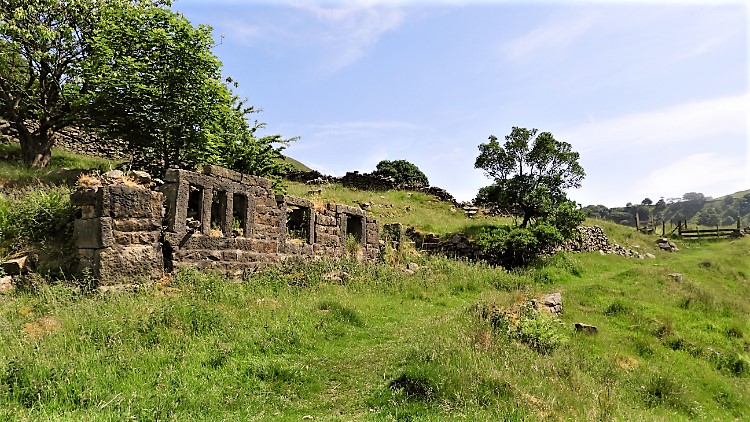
[(239, 211), (194, 207), (218, 213), (297, 223), (354, 228)]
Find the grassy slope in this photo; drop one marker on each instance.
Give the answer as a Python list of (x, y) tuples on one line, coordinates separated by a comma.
[(349, 342)]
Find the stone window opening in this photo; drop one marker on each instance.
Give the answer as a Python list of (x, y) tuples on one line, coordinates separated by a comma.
[(218, 213), (354, 228), (239, 213), (195, 207), (297, 224)]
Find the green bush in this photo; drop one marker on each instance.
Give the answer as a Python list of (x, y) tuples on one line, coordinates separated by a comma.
[(35, 215)]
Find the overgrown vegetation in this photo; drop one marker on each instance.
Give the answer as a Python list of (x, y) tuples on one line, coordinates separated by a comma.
[(375, 342)]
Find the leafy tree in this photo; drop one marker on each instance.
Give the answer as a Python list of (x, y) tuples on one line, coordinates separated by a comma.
[(709, 217), (743, 205), (131, 68), (647, 201), (694, 197), (531, 173), (159, 87), (43, 45), (402, 171)]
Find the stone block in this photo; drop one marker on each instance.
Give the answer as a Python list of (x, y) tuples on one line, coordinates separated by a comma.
[(128, 264), (94, 233), (16, 266), (256, 181), (265, 247), (136, 224), (130, 201), (217, 171), (84, 196)]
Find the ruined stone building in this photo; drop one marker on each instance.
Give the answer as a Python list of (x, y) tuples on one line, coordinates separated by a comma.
[(216, 219)]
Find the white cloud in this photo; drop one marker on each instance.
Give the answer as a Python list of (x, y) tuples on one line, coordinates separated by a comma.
[(351, 31), (548, 36), (695, 122), (708, 172)]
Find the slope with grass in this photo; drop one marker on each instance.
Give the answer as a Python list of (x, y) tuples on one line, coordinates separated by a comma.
[(342, 341)]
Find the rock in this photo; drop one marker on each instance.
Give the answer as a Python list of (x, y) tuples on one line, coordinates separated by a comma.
[(114, 174), (141, 177), (6, 284), (677, 277), (412, 266), (650, 255), (553, 303), (585, 328), (16, 266)]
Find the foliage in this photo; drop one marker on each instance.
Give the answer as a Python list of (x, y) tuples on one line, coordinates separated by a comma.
[(531, 173), (159, 87), (402, 171), (130, 69), (42, 43)]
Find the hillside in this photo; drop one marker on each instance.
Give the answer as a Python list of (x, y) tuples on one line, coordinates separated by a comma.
[(441, 340), (694, 208)]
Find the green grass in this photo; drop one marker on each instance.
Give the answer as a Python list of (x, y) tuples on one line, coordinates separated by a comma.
[(413, 209), (13, 174), (343, 341), (384, 345)]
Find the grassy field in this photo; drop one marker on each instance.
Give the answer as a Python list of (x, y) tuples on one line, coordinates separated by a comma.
[(452, 340)]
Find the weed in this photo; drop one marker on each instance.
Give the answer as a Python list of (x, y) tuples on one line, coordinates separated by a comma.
[(616, 308)]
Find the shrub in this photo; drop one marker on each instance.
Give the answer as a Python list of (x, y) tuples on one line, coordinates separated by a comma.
[(35, 215)]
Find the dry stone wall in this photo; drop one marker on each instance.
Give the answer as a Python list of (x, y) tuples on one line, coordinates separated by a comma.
[(74, 140), (217, 219), (367, 181)]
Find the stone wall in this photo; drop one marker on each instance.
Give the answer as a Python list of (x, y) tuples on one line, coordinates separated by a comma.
[(217, 219), (367, 181), (73, 140)]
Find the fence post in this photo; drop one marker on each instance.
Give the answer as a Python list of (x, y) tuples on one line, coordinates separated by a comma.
[(738, 223), (679, 227), (663, 228)]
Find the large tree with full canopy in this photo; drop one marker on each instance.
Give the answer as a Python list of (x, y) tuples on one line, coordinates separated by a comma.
[(531, 173), (132, 69)]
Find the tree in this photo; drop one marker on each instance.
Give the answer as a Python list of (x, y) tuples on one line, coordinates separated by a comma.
[(159, 87), (403, 172), (709, 217), (132, 69), (43, 45), (531, 172), (694, 197), (647, 202)]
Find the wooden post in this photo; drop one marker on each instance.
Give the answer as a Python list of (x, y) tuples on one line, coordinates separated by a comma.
[(679, 227), (663, 228), (637, 222), (738, 223)]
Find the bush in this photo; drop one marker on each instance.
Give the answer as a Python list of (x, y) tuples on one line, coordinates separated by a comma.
[(518, 246), (35, 215), (403, 172)]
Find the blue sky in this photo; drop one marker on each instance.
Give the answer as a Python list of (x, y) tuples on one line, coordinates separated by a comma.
[(653, 95)]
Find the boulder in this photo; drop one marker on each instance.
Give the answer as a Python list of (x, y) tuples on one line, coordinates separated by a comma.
[(16, 266), (585, 328)]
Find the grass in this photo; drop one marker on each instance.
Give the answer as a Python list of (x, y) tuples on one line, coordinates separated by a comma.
[(380, 344), (413, 209), (13, 173), (343, 341)]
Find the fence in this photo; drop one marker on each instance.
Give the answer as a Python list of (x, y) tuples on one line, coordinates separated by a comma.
[(682, 230)]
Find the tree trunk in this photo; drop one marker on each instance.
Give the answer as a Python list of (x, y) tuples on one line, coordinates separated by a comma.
[(36, 148)]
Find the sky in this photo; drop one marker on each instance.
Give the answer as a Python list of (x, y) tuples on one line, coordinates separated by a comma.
[(652, 94)]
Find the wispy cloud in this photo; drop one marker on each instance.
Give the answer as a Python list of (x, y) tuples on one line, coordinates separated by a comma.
[(708, 172), (548, 36), (351, 31), (682, 124), (376, 128)]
